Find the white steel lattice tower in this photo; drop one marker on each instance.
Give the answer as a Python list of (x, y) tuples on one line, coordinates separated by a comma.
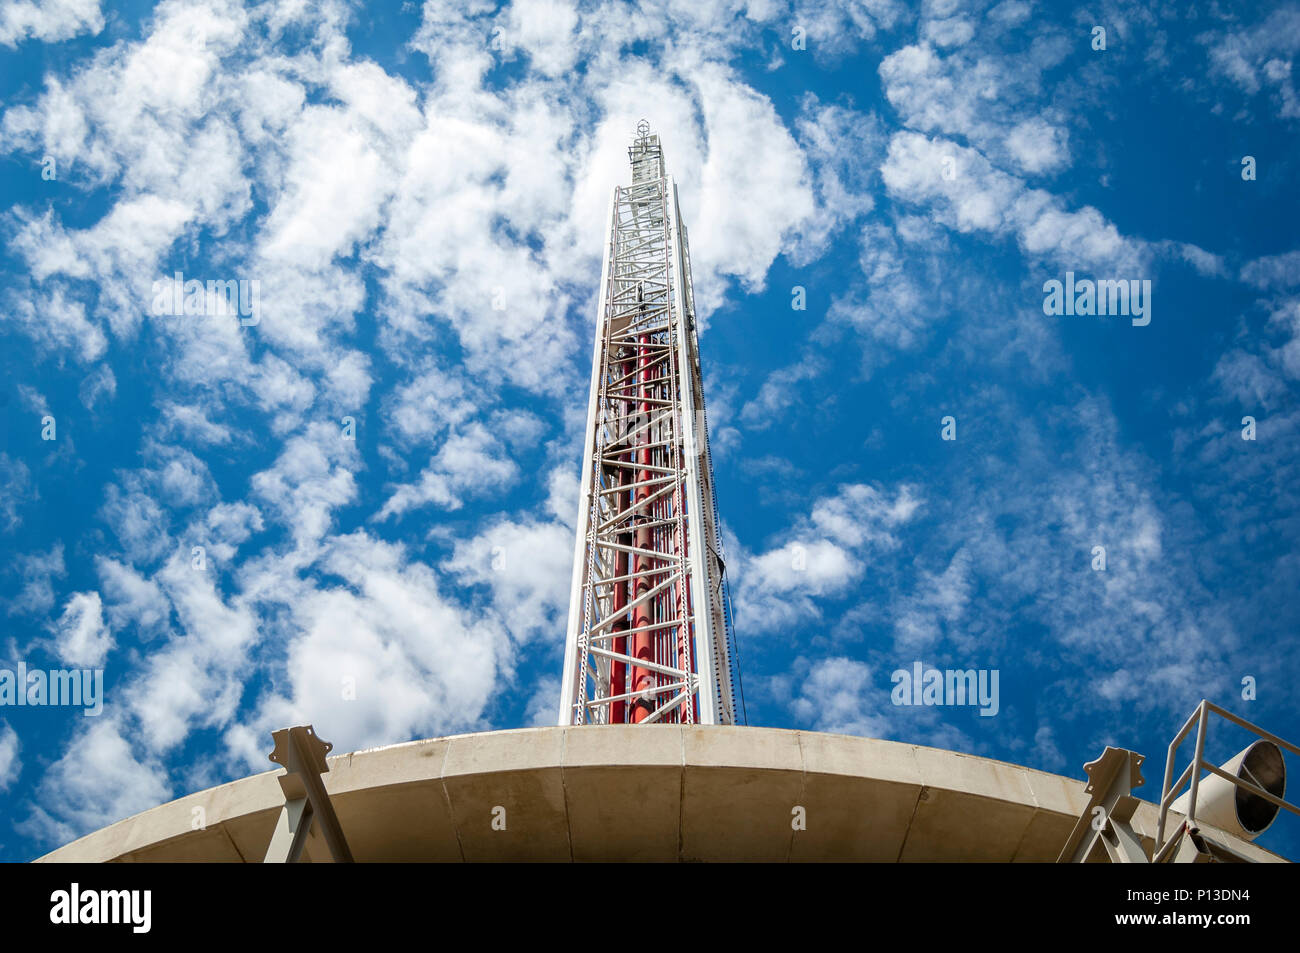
[(649, 636)]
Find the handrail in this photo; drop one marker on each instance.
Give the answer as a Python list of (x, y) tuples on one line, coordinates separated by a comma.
[(1170, 790)]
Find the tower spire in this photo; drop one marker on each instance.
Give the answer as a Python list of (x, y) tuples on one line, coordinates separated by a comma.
[(648, 637)]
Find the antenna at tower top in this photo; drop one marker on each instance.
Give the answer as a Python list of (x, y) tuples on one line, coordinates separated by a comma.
[(646, 155)]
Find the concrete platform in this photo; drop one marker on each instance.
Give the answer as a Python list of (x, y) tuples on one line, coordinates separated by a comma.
[(653, 793)]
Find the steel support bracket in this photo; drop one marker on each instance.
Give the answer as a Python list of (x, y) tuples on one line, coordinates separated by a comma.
[(308, 816), (1105, 821)]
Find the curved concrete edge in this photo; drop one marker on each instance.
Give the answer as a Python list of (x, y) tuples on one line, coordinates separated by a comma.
[(623, 792)]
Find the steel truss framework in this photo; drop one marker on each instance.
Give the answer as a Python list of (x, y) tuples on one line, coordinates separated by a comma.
[(649, 638)]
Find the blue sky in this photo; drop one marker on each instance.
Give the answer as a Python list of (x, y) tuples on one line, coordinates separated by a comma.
[(419, 193)]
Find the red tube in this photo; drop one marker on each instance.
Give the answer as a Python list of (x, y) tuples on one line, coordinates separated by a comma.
[(618, 670), (642, 678)]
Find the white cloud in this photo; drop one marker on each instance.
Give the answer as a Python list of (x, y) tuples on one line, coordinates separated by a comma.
[(735, 236), (96, 781), (953, 31), (895, 303), (836, 696), (192, 423), (38, 572), (1259, 57), (228, 525), (779, 393), (435, 398), (545, 30), (838, 29), (139, 522), (195, 677), (937, 600), (1046, 751), (563, 491), (542, 705), (97, 384), (15, 490), (418, 664), (57, 322), (1011, 12), (861, 515), (1037, 146), (183, 478), (822, 556), (309, 480), (1273, 272), (813, 566), (1248, 379), (466, 464), (48, 20), (336, 186), (80, 637), (978, 95), (132, 599), (976, 197), (843, 695), (528, 567), (843, 148), (11, 765), (1256, 373)]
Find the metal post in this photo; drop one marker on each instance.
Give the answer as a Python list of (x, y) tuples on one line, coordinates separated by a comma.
[(1202, 713)]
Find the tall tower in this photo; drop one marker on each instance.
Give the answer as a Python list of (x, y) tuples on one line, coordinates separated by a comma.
[(649, 636)]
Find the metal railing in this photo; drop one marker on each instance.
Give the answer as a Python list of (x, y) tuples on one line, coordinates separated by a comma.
[(1170, 791)]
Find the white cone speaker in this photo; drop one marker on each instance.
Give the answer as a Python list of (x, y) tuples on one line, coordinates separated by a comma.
[(1222, 804)]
